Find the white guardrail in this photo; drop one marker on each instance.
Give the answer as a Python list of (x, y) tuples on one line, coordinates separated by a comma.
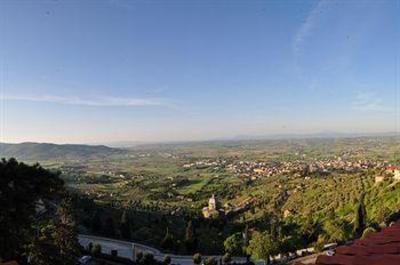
[(129, 249)]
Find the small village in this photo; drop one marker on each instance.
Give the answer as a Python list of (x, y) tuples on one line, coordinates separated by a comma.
[(257, 169)]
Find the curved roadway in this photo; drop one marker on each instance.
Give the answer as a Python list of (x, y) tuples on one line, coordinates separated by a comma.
[(128, 250)]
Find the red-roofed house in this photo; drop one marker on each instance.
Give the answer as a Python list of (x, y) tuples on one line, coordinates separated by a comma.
[(395, 170)]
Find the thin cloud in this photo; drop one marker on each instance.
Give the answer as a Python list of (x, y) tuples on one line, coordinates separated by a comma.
[(95, 102), (121, 3), (370, 102), (307, 27)]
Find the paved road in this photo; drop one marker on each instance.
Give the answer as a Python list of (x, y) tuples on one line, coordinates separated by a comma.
[(127, 249)]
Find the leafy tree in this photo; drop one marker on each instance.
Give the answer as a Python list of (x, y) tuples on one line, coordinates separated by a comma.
[(382, 214), (261, 246), (335, 231), (22, 187), (233, 244), (56, 241), (310, 230), (197, 258), (41, 249), (66, 236)]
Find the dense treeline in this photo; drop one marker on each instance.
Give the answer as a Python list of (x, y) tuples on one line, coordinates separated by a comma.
[(183, 233), (36, 220)]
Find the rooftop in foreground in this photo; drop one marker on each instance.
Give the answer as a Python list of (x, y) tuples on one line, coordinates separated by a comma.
[(380, 248)]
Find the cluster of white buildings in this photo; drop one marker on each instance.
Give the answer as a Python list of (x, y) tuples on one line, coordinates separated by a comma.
[(206, 164), (255, 169)]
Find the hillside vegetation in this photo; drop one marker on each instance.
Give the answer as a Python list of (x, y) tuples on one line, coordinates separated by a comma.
[(46, 151), (295, 193)]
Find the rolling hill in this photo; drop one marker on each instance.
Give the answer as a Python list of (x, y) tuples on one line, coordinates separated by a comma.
[(46, 151)]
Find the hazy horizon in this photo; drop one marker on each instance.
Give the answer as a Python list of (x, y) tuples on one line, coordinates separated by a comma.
[(237, 138), (114, 70)]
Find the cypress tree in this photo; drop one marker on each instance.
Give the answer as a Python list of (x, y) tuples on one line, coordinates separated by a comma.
[(109, 228), (96, 223), (125, 226), (360, 217), (189, 237), (167, 242)]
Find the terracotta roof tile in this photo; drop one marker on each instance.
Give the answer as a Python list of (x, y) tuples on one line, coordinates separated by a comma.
[(382, 248), (359, 260)]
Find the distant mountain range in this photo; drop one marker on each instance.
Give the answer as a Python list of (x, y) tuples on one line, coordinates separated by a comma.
[(46, 151), (325, 134), (318, 135)]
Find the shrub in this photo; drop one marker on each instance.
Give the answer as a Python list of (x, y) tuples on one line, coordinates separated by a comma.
[(139, 256), (227, 258), (210, 261), (197, 258), (96, 250), (233, 244), (148, 259), (167, 260), (319, 245)]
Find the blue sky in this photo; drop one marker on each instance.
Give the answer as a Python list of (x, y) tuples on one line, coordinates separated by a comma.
[(115, 70)]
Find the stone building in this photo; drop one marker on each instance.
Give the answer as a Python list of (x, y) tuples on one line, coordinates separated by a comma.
[(213, 208)]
